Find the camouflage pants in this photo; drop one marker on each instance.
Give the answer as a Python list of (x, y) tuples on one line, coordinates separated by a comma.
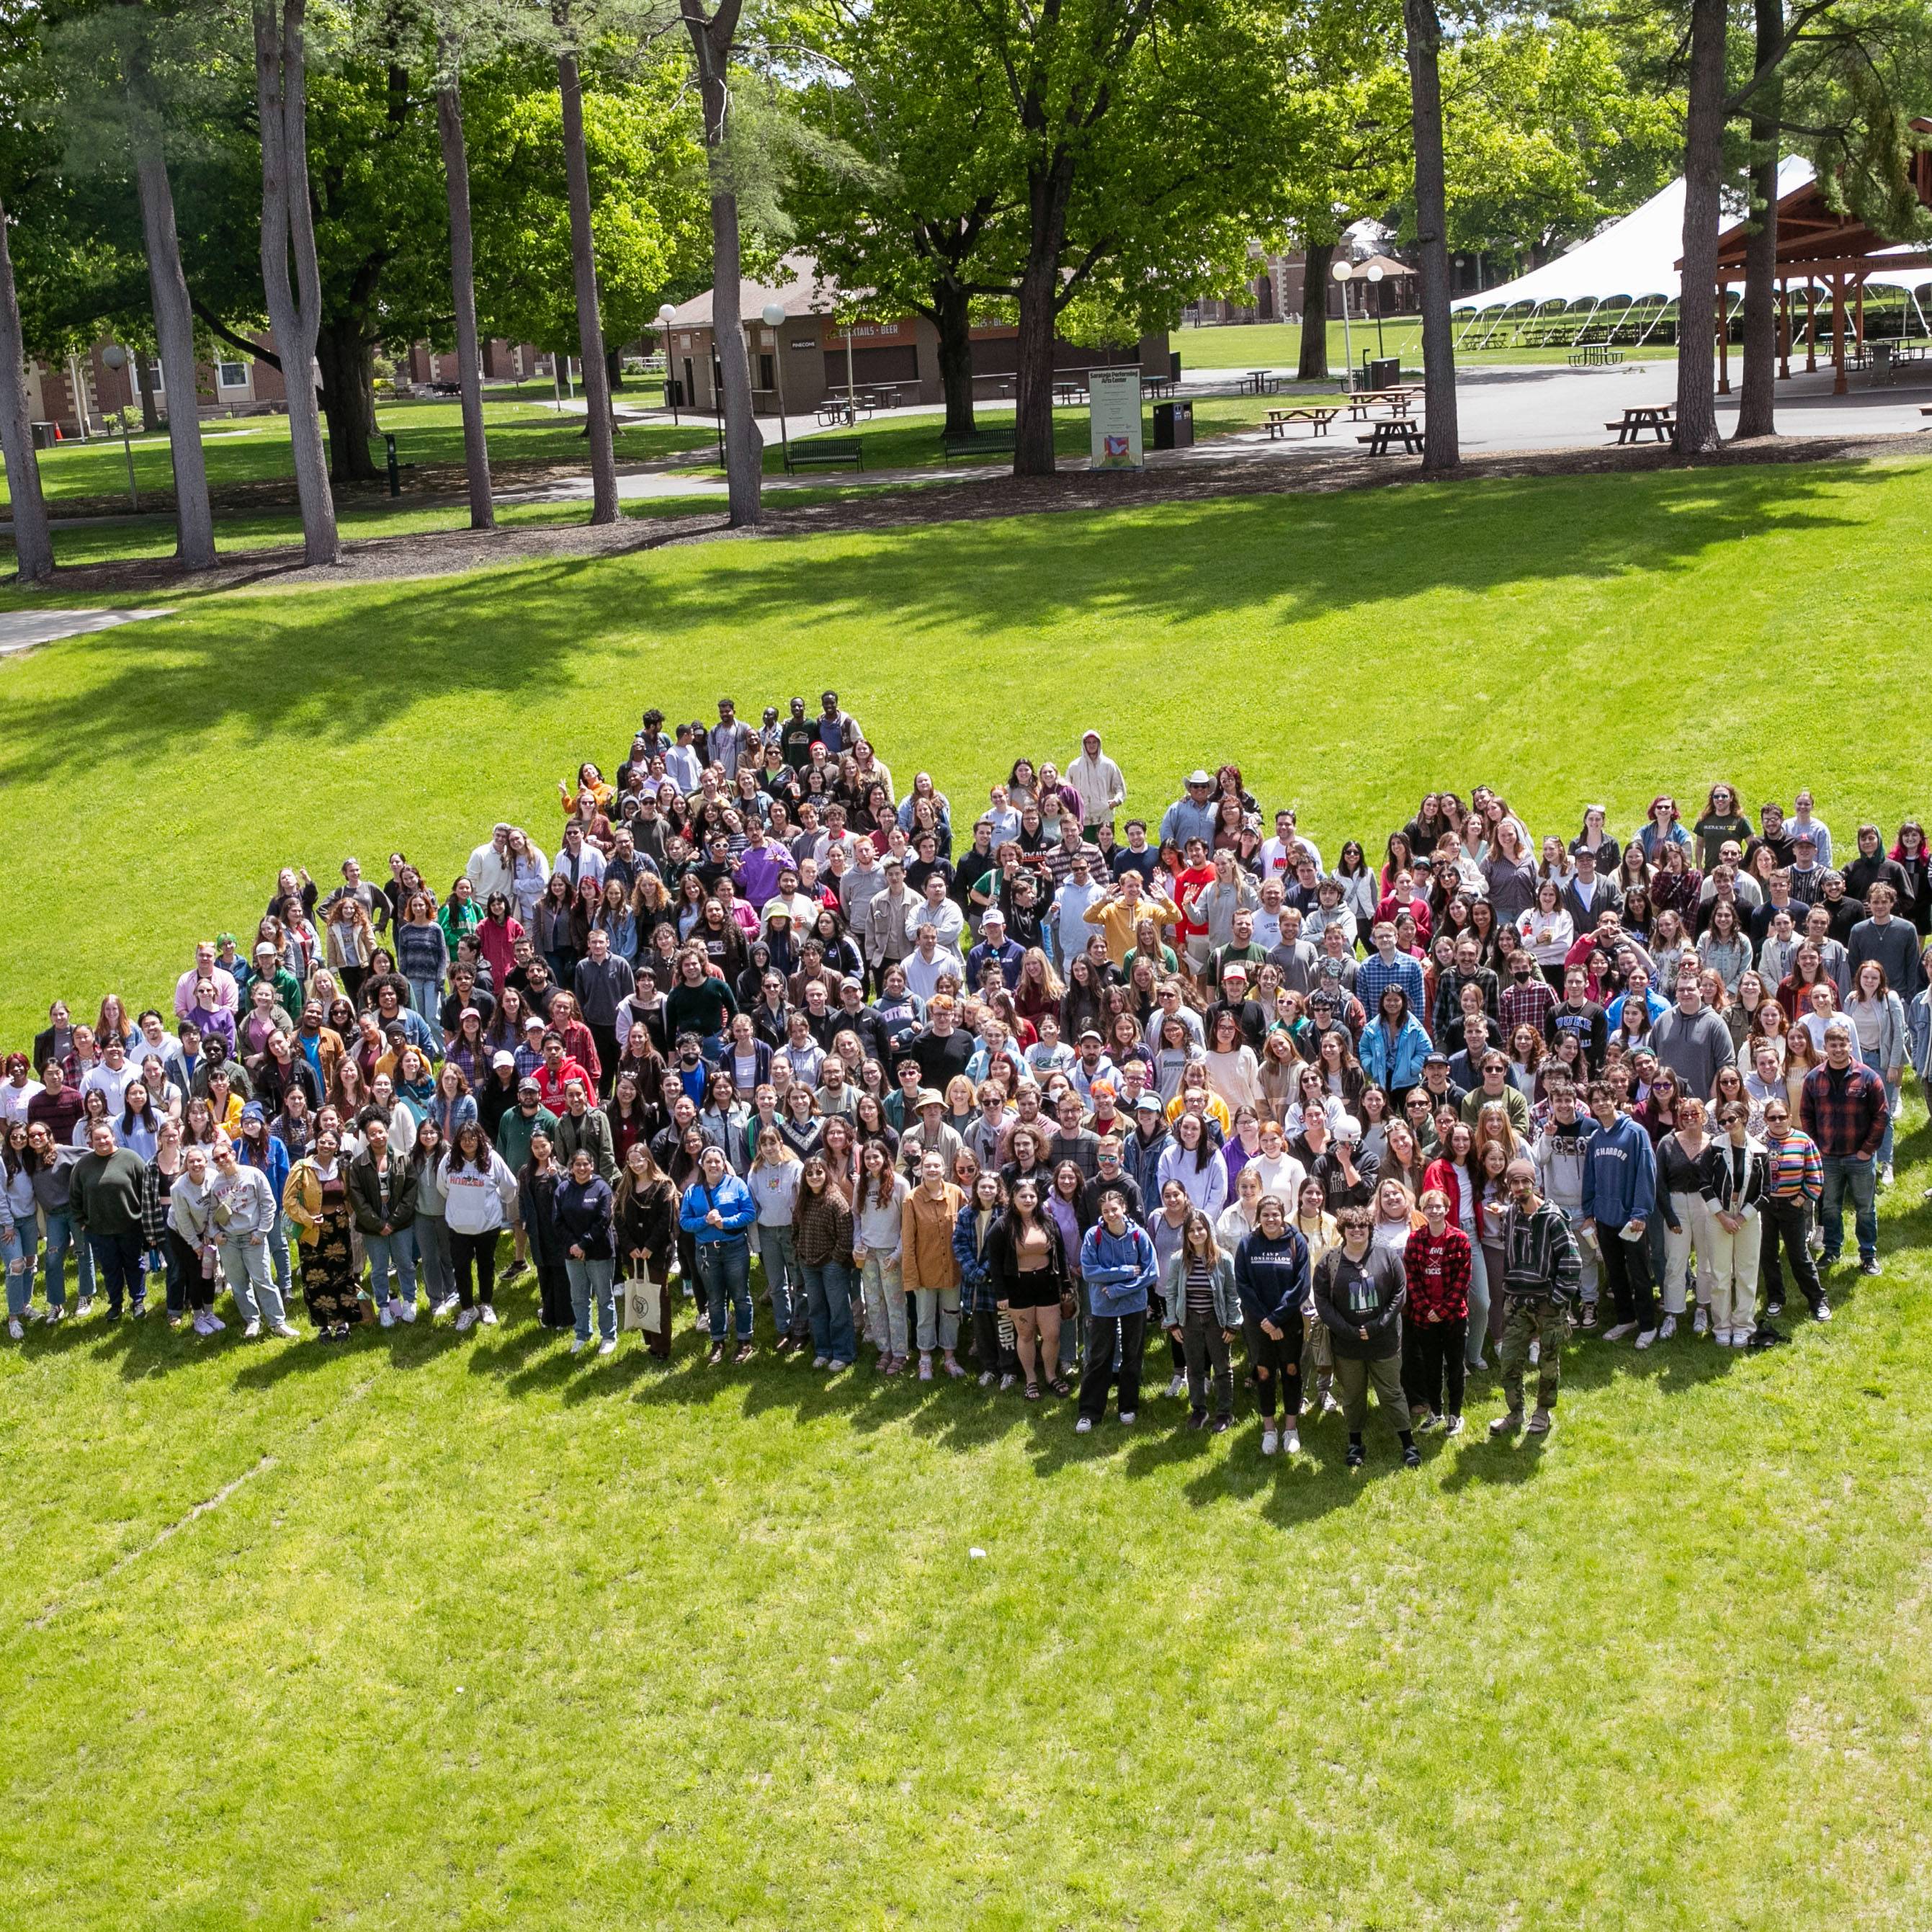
[(1540, 1321)]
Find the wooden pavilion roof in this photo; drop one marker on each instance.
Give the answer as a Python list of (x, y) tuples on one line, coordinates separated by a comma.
[(1814, 239)]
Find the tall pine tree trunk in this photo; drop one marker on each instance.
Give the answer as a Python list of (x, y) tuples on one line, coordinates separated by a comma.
[(1049, 191), (952, 316), (463, 289), (33, 541), (174, 338), (711, 41), (1441, 448), (590, 323), (1317, 258), (291, 280), (1757, 395), (1697, 304)]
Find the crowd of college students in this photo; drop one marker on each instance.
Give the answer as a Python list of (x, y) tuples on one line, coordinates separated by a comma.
[(1010, 1079)]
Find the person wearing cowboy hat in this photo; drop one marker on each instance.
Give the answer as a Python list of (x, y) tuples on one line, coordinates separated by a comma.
[(1191, 816), (929, 1134)]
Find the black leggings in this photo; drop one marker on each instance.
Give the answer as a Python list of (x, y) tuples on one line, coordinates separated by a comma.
[(482, 1250)]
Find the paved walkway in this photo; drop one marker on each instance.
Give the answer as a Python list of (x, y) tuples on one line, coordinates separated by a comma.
[(23, 630)]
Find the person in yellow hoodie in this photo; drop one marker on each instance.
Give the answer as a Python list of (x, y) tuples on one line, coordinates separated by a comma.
[(1122, 907)]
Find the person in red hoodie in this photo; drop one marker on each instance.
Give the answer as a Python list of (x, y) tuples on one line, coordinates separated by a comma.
[(558, 1068), (1436, 1262)]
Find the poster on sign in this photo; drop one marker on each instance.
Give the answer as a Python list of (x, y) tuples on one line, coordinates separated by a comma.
[(1114, 416)]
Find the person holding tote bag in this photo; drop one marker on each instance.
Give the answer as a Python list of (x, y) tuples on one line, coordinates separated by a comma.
[(645, 1214)]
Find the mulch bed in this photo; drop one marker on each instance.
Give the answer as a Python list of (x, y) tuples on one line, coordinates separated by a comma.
[(1188, 479)]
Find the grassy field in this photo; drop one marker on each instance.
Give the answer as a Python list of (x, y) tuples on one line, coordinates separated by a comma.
[(1276, 345), (432, 1629), (255, 449)]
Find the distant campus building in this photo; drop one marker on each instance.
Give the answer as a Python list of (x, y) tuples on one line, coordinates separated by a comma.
[(816, 355)]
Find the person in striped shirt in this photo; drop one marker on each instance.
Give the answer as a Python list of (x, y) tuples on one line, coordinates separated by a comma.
[(1796, 1187)]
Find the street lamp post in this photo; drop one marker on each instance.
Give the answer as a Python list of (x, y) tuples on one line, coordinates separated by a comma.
[(1341, 272), (664, 314), (116, 357), (775, 317), (1373, 275)]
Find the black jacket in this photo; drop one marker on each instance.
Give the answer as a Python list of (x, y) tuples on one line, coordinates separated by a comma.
[(370, 1203)]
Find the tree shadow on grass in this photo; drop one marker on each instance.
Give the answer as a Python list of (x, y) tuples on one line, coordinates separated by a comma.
[(335, 666)]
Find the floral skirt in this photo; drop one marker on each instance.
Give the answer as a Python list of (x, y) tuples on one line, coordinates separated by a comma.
[(328, 1271)]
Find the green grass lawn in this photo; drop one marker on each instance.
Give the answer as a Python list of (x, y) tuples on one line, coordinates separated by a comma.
[(255, 449), (475, 1636), (1275, 345)]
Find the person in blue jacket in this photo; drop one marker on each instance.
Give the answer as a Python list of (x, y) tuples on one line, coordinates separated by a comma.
[(1619, 1197), (1271, 1278), (1116, 1262), (717, 1211), (1393, 1046)]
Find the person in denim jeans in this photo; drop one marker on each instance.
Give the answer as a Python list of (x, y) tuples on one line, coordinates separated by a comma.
[(19, 1221), (108, 1184), (717, 1212), (821, 1231), (1843, 1107), (582, 1209), (877, 1229), (773, 1180), (53, 1178)]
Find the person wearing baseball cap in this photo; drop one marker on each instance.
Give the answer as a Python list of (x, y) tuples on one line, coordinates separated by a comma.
[(994, 949)]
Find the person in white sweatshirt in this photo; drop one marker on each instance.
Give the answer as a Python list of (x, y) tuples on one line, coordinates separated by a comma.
[(479, 1194), (242, 1210)]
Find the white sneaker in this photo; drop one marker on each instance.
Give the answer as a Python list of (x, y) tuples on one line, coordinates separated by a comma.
[(1622, 1329), (1700, 1322), (213, 1324), (14, 1330), (1291, 1443), (1128, 1417), (288, 1331), (986, 1380), (84, 1308), (1666, 1328), (1084, 1426), (1535, 1353), (1270, 1439), (1649, 1336), (409, 1309), (1178, 1387), (1723, 1337), (253, 1331), (1822, 1313), (388, 1317), (577, 1345), (466, 1320), (486, 1316), (1885, 1175), (447, 1306), (1006, 1382), (56, 1313), (607, 1347), (199, 1322)]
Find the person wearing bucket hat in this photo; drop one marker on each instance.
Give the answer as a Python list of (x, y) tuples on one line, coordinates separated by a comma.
[(928, 1134)]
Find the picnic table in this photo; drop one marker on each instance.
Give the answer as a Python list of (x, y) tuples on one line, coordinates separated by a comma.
[(1396, 400), (1258, 382), (1158, 386), (1070, 392), (1659, 418), (1318, 415), (1404, 430)]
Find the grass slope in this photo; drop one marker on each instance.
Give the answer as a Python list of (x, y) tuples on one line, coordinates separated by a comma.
[(472, 1635)]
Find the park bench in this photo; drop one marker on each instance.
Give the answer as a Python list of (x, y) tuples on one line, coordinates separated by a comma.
[(980, 442), (1404, 430), (1361, 401), (825, 452), (1659, 419), (1318, 415)]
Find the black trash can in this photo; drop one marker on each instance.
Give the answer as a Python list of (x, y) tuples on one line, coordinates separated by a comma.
[(1174, 365), (1174, 425), (674, 395), (1383, 372)]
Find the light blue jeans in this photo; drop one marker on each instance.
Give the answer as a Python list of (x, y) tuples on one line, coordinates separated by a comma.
[(438, 1275), (61, 1236), (1479, 1307), (589, 1280), (1892, 1088), (392, 1254), (245, 1264), (778, 1259), (18, 1258)]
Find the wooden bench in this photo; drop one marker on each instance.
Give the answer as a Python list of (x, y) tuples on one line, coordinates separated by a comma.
[(1319, 416), (825, 452), (1404, 430), (1361, 401), (981, 442), (1659, 418)]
